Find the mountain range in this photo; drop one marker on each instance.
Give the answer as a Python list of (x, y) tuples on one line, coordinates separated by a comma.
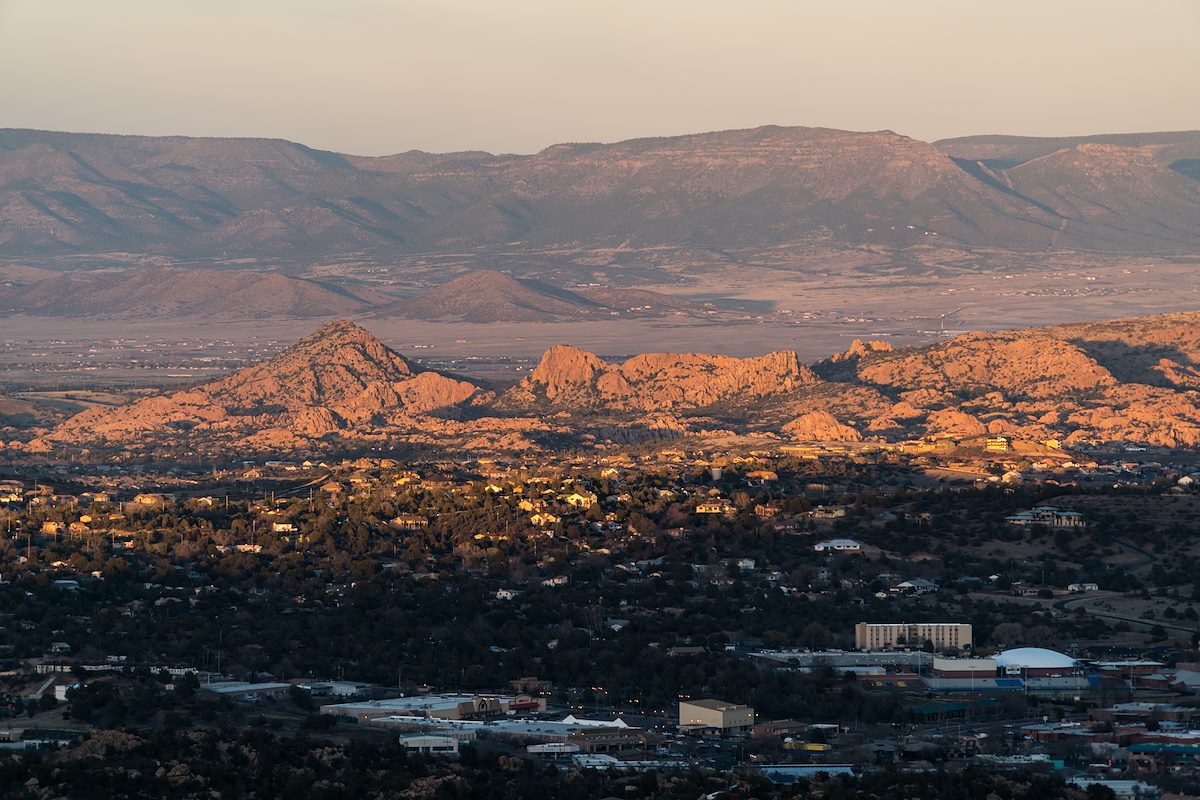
[(1126, 381), (225, 199), (169, 293)]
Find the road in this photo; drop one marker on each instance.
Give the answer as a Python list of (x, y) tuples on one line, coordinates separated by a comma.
[(1146, 558)]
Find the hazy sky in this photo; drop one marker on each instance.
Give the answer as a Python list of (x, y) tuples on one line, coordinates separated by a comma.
[(382, 76)]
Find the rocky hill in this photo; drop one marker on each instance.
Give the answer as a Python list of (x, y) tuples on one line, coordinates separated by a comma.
[(64, 193), (1126, 381), (173, 293), (339, 383), (490, 296)]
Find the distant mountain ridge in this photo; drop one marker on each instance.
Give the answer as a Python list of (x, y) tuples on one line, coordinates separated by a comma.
[(64, 193), (481, 296), (164, 292)]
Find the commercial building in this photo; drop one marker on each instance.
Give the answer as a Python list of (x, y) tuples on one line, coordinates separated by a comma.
[(242, 690), (1036, 662), (442, 706), (942, 635), (1033, 670), (431, 744), (714, 717), (569, 735)]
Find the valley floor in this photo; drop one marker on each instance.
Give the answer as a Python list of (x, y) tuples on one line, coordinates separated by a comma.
[(813, 313)]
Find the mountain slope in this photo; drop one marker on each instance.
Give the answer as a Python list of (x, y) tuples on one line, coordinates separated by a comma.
[(1167, 147), (1120, 196), (490, 296), (173, 293), (63, 193)]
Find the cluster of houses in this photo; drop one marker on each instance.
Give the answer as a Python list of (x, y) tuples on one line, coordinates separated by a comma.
[(1050, 516)]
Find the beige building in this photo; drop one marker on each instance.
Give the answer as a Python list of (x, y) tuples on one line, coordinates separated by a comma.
[(887, 635), (714, 716)]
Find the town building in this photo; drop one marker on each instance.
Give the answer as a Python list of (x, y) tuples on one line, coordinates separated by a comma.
[(430, 744), (885, 635), (439, 706), (243, 690), (718, 717)]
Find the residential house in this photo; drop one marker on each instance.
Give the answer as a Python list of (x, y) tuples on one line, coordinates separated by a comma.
[(584, 500), (409, 522), (1049, 516), (828, 512)]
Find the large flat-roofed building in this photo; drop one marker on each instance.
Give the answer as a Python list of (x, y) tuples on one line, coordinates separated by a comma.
[(882, 635), (572, 734), (443, 706), (714, 716), (964, 667), (242, 690), (430, 744)]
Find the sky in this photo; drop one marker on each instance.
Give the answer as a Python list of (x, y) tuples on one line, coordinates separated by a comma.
[(382, 76)]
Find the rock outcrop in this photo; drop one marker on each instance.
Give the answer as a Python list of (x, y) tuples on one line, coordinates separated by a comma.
[(859, 348), (820, 426), (576, 380)]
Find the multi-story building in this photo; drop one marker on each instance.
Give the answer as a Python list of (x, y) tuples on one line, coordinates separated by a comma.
[(884, 635), (714, 717)]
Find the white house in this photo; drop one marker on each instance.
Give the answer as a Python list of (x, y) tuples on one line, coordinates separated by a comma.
[(841, 545)]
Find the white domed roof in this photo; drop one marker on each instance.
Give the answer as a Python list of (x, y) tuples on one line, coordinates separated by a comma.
[(1034, 658)]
